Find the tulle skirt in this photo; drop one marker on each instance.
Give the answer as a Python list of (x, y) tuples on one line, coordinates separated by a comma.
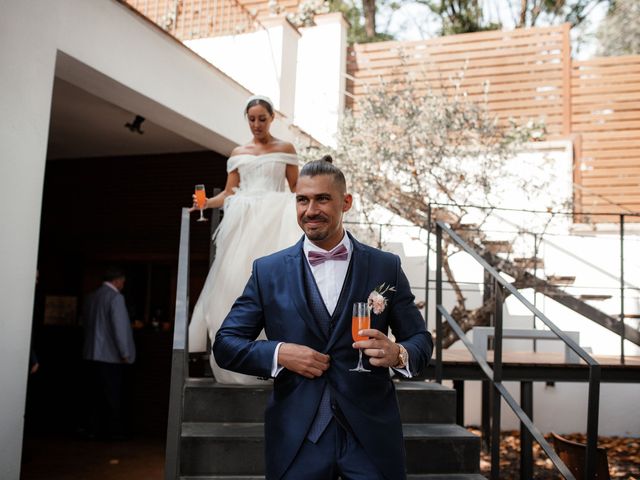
[(255, 224)]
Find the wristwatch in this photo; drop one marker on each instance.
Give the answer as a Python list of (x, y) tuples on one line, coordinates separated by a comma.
[(403, 357)]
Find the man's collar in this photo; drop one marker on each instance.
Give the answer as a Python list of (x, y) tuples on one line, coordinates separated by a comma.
[(111, 286), (309, 246)]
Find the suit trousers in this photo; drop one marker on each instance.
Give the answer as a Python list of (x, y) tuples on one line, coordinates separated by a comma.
[(107, 395), (337, 454)]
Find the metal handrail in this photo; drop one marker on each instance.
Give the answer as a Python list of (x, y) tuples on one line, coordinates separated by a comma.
[(180, 355), (621, 327), (484, 365), (495, 376), (512, 290)]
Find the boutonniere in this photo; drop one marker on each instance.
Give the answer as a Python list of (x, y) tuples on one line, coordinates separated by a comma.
[(377, 301)]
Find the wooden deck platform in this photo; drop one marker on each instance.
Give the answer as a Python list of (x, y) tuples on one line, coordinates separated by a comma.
[(541, 366)]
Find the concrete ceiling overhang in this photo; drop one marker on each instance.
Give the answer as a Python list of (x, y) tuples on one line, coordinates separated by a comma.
[(89, 111), (84, 125)]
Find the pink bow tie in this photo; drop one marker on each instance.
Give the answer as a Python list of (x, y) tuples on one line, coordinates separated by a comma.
[(316, 258)]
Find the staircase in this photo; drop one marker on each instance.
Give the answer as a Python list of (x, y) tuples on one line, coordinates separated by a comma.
[(525, 269), (222, 432)]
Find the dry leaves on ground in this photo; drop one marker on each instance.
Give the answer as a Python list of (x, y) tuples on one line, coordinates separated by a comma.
[(623, 454)]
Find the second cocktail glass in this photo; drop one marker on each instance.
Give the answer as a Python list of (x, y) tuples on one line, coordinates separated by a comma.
[(201, 200)]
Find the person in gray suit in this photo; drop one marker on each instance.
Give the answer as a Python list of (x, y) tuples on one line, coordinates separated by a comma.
[(108, 349)]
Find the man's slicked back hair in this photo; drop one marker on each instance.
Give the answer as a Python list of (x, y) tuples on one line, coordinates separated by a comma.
[(325, 166)]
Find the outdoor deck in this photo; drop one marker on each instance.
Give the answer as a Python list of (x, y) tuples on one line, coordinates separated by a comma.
[(537, 366)]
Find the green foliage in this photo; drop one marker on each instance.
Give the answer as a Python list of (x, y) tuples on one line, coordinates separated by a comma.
[(619, 33), (405, 148), (353, 13), (553, 12), (459, 16)]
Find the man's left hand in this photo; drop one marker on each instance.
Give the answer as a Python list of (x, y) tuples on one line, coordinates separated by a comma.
[(382, 352)]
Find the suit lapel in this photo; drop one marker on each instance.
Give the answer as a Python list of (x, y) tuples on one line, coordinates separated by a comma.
[(356, 291), (295, 276)]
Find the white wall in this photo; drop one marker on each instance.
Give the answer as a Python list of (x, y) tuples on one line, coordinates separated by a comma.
[(562, 408), (322, 67), (114, 53), (303, 71), (262, 61), (26, 97)]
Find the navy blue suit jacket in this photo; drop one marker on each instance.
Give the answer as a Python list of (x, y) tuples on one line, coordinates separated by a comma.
[(274, 299)]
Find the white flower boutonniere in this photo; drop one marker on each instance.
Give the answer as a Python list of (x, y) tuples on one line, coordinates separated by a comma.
[(377, 301)]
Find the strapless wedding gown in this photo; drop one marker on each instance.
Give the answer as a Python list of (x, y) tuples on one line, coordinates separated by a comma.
[(259, 219)]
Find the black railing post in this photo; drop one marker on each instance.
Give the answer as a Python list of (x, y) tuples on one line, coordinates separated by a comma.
[(593, 407), (427, 274), (485, 407), (458, 386), (622, 289), (485, 420), (438, 302), (526, 440), (535, 293), (497, 380)]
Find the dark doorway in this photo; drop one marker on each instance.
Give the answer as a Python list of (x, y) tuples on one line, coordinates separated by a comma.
[(102, 211)]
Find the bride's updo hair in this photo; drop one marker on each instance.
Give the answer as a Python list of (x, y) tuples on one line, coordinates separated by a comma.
[(325, 166), (259, 100)]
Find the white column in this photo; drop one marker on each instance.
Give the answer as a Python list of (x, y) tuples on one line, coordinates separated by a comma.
[(263, 61), (285, 57), (321, 77), (27, 56)]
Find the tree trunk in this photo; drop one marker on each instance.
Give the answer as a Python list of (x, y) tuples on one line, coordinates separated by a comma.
[(369, 9), (524, 5)]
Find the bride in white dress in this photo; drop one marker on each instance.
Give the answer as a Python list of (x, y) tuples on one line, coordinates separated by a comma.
[(259, 219)]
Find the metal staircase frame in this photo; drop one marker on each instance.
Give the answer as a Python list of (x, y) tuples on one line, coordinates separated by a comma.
[(525, 279), (500, 286)]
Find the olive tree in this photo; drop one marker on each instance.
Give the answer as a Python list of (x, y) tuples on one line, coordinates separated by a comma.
[(406, 146)]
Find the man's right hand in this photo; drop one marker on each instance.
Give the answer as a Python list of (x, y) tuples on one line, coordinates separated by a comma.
[(302, 360)]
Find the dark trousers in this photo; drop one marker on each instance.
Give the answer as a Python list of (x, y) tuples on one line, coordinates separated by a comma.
[(337, 454), (106, 400)]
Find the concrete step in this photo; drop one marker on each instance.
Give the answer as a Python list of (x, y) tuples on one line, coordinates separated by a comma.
[(447, 476), (441, 476), (209, 448), (207, 401), (426, 402)]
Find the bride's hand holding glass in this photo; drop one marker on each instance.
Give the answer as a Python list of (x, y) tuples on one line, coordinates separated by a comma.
[(200, 201)]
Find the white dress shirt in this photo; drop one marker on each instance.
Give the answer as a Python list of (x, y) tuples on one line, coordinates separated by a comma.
[(330, 274), (329, 277)]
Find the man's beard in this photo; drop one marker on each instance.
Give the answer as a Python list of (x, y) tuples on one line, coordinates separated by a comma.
[(317, 235)]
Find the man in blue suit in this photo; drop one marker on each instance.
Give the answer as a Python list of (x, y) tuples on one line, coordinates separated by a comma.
[(324, 421)]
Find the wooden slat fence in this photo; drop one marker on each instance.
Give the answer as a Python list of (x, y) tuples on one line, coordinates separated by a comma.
[(531, 76), (262, 9), (191, 19), (525, 70), (605, 102)]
